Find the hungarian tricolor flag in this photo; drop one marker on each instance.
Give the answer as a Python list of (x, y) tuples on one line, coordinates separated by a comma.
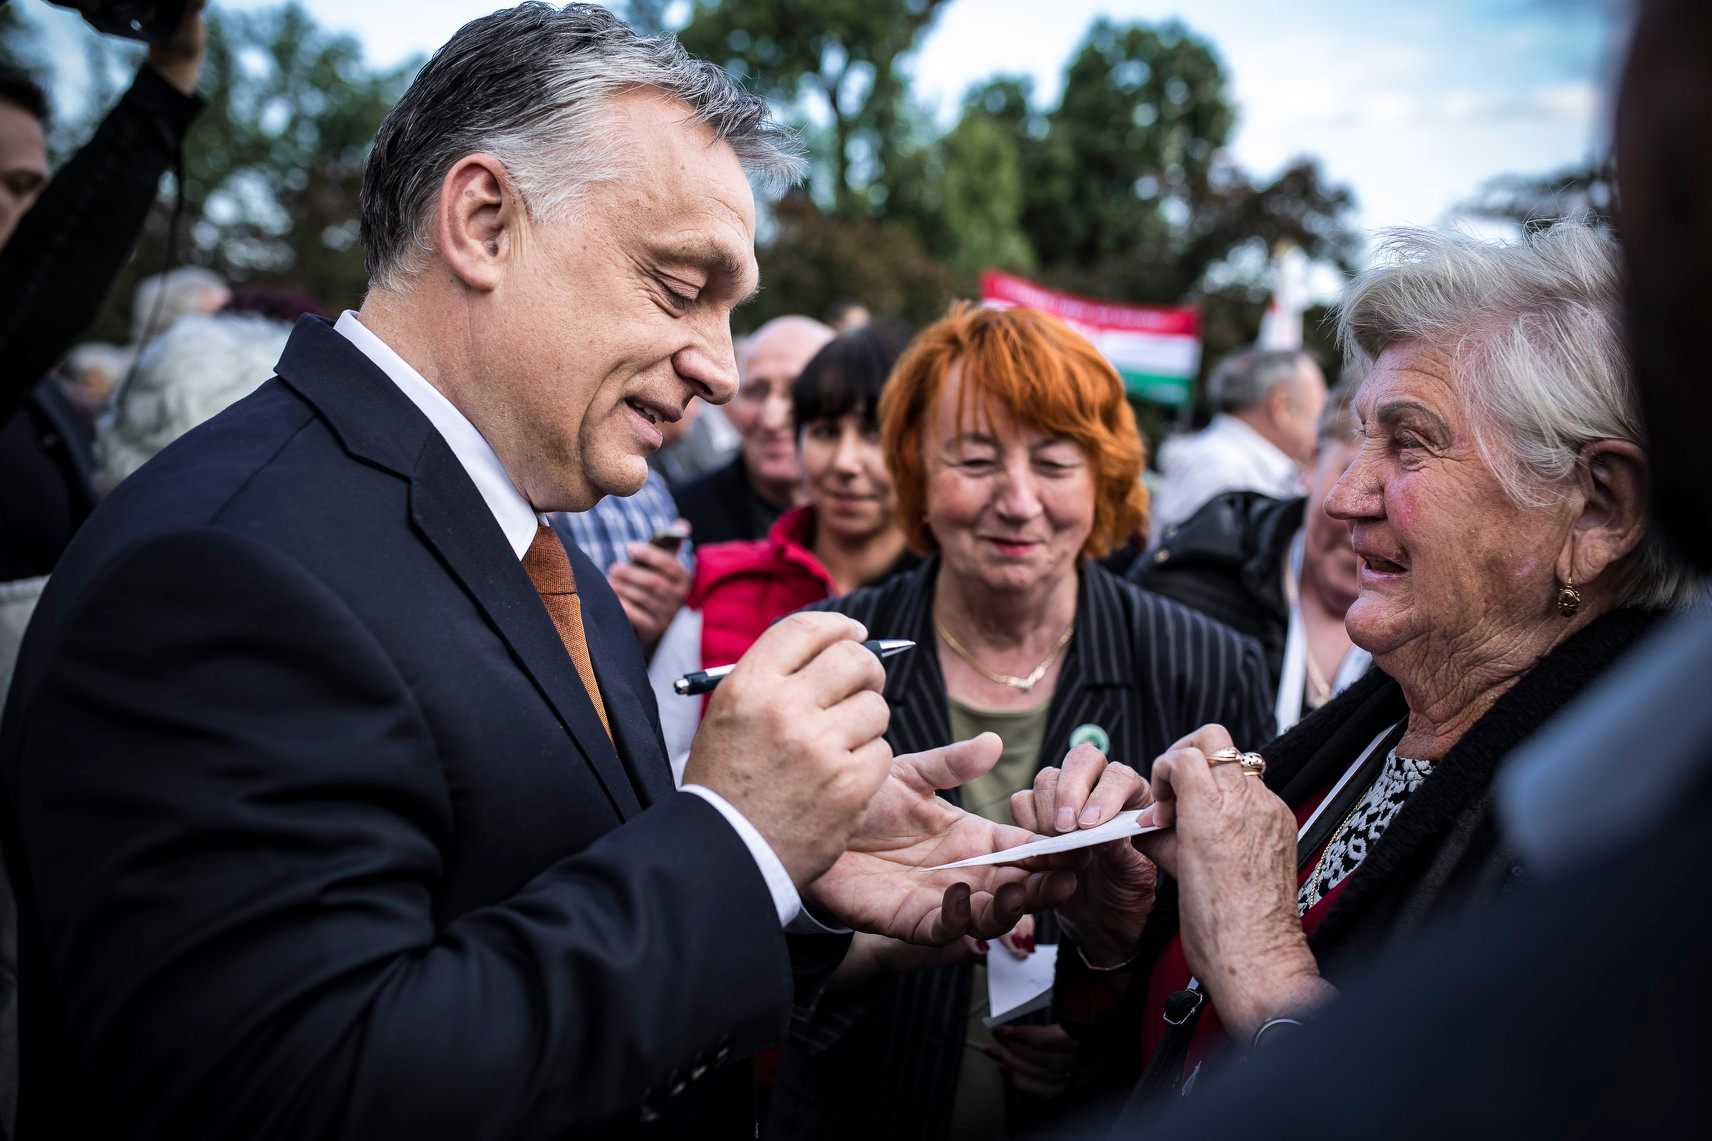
[(1156, 348)]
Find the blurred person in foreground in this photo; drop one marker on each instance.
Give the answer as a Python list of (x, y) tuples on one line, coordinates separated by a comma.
[(1575, 1008), (1266, 409), (1498, 506), (1015, 459), (185, 376), (743, 499), (1279, 570), (332, 784), (845, 536), (62, 242)]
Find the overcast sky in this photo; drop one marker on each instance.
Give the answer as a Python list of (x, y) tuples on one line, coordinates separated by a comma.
[(1411, 104)]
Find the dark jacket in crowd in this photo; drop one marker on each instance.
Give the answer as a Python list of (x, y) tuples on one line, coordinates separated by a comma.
[(882, 1061), (1227, 561), (316, 831), (54, 274), (723, 506), (1441, 854)]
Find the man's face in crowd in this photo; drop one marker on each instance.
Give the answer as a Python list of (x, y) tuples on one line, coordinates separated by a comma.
[(23, 165), (1298, 419), (611, 319), (762, 411)]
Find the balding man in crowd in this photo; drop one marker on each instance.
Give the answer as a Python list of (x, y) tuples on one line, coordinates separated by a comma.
[(744, 498), (333, 788), (1267, 406)]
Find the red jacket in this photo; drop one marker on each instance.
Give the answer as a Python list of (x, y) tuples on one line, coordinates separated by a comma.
[(743, 587)]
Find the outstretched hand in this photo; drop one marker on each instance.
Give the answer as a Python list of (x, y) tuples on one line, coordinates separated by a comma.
[(878, 884)]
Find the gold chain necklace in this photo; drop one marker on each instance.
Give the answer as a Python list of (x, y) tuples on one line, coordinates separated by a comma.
[(1025, 684)]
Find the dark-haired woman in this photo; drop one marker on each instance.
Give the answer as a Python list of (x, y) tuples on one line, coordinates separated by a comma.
[(844, 537)]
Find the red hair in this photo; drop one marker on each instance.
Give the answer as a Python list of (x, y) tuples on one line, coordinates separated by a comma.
[(1043, 374)]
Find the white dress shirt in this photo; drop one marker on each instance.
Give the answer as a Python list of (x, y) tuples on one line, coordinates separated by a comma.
[(519, 520), (1226, 455)]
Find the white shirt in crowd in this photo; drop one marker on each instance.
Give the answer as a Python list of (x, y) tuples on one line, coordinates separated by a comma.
[(518, 520), (1226, 455)]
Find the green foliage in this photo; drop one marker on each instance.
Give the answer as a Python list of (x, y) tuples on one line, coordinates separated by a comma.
[(274, 163), (815, 260), (1535, 201), (837, 59)]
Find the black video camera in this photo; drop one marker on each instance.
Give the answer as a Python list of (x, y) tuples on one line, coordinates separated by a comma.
[(152, 21)]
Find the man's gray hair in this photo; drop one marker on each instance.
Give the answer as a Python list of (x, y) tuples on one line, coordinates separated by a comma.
[(1536, 333), (1242, 379), (185, 375), (530, 85)]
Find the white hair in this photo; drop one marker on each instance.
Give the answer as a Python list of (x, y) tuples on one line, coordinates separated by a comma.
[(1241, 379), (1537, 334), (161, 300), (187, 374)]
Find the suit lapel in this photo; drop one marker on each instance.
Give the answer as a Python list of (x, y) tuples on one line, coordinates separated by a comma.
[(456, 522), (915, 688), (378, 424), (1098, 663)]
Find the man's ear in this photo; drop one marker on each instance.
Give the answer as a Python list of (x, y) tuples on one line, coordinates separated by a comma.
[(478, 220), (1613, 518)]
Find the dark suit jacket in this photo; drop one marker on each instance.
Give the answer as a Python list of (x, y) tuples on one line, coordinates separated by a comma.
[(314, 829), (722, 506), (1226, 560), (884, 1062)]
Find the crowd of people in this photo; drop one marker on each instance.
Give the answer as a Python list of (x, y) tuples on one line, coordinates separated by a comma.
[(347, 787)]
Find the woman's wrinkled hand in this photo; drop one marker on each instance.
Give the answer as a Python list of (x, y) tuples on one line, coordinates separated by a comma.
[(1232, 851), (1114, 890)]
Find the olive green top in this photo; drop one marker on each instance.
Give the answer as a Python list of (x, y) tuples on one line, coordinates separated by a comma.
[(979, 1107), (1022, 731)]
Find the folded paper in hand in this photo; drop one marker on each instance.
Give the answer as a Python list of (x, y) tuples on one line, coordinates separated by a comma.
[(1121, 826)]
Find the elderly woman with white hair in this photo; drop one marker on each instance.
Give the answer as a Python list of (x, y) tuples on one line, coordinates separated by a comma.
[(1497, 504)]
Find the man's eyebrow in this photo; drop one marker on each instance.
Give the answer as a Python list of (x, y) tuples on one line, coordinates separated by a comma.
[(1389, 414)]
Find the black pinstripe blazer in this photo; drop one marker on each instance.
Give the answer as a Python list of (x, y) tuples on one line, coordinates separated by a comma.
[(883, 1062)]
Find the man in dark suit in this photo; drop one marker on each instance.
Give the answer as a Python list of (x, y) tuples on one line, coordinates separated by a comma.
[(334, 794), (744, 498)]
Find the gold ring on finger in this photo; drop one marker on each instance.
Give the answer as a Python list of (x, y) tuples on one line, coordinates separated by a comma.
[(1225, 756), (1253, 764)]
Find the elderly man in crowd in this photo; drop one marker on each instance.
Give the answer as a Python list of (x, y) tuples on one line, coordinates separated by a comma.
[(743, 499), (1267, 405), (333, 788)]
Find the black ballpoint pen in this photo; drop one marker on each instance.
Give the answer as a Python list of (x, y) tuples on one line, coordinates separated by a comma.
[(703, 681)]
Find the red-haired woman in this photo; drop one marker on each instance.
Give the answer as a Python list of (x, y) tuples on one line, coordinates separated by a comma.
[(1016, 461)]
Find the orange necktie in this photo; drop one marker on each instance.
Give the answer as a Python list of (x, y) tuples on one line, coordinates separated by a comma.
[(549, 568)]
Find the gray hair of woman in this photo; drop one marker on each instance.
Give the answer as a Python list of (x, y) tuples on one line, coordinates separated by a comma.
[(530, 85), (1536, 329), (186, 375)]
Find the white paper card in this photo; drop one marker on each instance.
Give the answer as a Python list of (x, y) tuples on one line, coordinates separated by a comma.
[(1016, 987), (1119, 827)]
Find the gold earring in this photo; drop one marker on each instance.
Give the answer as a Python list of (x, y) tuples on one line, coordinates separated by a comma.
[(1568, 598)]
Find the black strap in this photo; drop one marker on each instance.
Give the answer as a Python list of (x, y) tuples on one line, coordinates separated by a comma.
[(1183, 1008)]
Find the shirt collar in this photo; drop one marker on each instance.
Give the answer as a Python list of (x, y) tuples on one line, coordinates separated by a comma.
[(513, 513)]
